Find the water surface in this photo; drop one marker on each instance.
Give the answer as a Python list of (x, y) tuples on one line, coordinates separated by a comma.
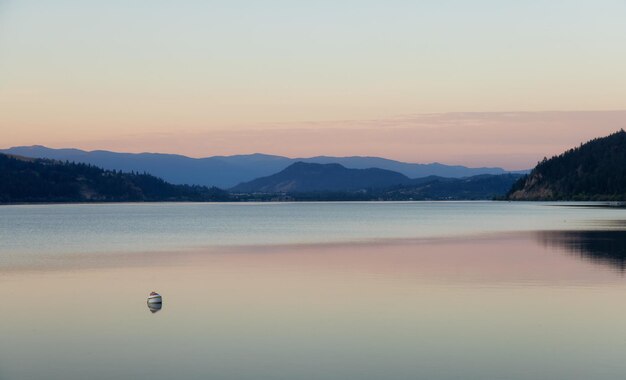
[(458, 290)]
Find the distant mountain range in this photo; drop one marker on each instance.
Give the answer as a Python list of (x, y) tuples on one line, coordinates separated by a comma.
[(34, 180), (228, 171), (307, 181), (595, 170)]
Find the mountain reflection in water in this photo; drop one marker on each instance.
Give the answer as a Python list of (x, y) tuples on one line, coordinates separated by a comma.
[(603, 247)]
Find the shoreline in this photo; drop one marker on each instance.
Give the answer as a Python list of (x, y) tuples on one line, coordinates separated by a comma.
[(594, 203)]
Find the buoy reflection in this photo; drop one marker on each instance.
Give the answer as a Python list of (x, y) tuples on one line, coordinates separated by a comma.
[(154, 307)]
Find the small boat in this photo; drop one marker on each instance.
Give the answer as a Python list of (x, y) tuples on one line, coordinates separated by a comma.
[(154, 297)]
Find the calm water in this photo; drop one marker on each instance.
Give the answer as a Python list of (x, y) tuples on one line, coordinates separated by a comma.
[(449, 290)]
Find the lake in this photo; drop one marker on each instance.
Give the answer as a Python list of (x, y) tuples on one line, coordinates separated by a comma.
[(407, 290)]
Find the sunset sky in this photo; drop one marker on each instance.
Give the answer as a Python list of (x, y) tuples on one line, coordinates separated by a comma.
[(499, 83)]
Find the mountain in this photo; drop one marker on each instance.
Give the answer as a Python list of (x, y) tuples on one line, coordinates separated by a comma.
[(595, 170), (42, 180), (228, 171), (308, 177), (306, 181)]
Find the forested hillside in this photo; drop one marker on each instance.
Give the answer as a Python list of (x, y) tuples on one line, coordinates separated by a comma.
[(595, 170), (40, 180)]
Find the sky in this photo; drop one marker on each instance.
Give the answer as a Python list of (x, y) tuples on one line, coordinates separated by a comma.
[(498, 83)]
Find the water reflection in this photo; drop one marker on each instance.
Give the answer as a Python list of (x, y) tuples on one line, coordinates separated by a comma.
[(155, 307), (486, 307), (603, 247)]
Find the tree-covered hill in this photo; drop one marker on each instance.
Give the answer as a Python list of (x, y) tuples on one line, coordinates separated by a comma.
[(41, 180), (595, 170), (304, 177)]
